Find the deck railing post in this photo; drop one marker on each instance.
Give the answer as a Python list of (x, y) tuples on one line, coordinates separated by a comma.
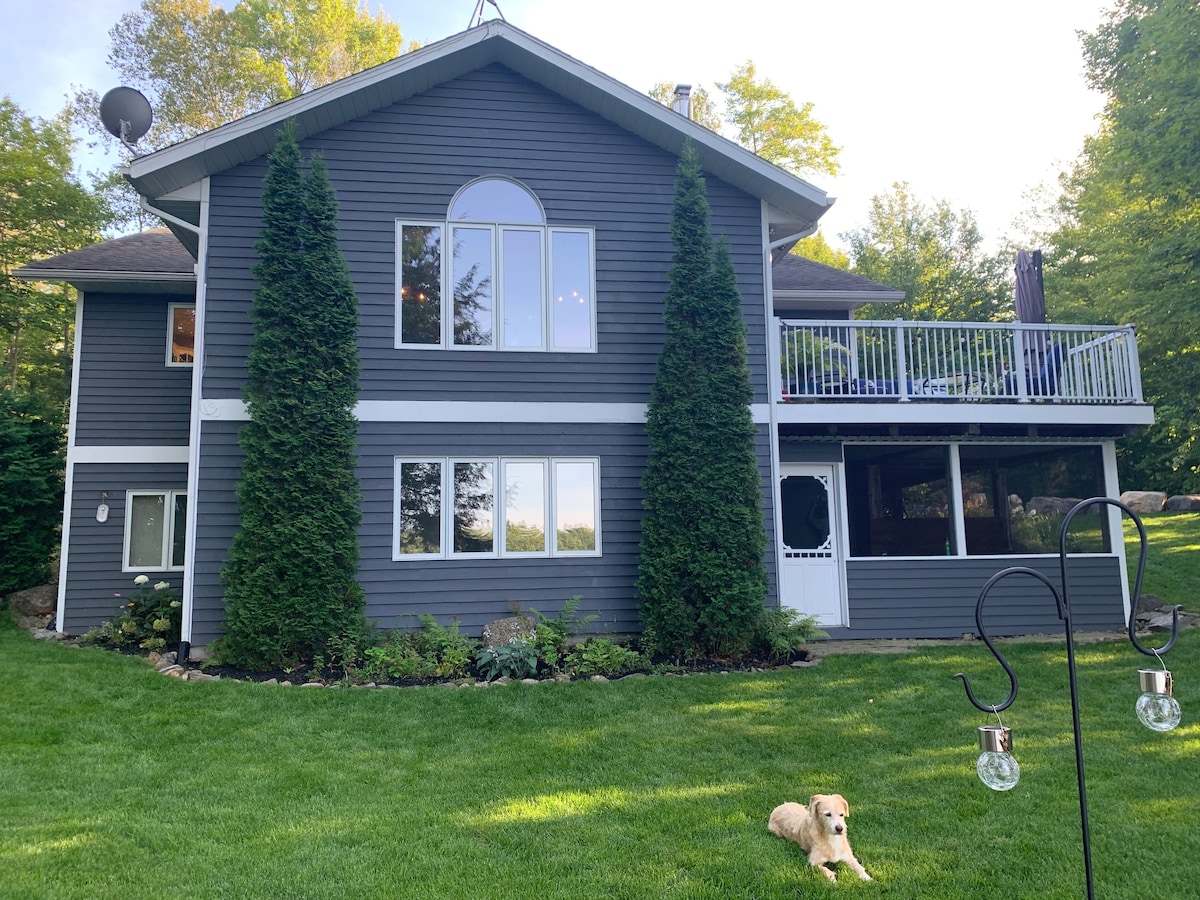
[(902, 381)]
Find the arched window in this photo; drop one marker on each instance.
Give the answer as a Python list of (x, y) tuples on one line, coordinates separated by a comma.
[(513, 282)]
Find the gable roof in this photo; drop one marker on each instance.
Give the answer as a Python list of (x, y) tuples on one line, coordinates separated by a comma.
[(150, 261), (170, 177), (797, 282)]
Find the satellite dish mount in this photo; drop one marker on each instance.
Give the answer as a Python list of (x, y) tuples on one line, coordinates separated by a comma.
[(126, 115)]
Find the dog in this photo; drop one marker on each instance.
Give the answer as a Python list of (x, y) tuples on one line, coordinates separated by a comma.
[(819, 829)]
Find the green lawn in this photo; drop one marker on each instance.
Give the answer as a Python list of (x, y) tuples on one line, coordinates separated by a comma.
[(1173, 558), (118, 782)]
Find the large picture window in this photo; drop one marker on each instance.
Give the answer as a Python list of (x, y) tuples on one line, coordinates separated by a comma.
[(512, 281), (1013, 499), (510, 507), (154, 530)]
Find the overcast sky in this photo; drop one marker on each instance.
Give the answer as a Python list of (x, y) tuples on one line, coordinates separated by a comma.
[(974, 103)]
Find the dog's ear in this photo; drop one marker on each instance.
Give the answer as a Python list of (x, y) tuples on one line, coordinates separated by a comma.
[(843, 805), (814, 803)]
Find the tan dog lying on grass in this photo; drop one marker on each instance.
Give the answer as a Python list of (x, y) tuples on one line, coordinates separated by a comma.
[(820, 829)]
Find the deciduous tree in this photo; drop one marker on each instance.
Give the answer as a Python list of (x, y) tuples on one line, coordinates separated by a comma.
[(1128, 249), (44, 210), (935, 255), (701, 107), (769, 123)]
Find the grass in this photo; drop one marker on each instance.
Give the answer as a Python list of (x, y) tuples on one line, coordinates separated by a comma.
[(1173, 557), (118, 782)]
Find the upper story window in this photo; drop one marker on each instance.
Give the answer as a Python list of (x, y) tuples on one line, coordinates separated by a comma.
[(495, 276), (181, 334)]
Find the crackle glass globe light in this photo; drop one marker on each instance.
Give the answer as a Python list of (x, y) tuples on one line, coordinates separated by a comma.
[(1156, 708), (997, 768)]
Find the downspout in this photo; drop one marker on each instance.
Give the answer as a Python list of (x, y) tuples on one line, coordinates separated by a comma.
[(189, 552)]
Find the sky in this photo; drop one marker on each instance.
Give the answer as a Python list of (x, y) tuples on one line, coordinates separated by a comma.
[(975, 103)]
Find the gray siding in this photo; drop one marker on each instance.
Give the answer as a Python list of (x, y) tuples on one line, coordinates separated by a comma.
[(472, 591), (127, 393), (936, 597), (407, 161), (94, 559)]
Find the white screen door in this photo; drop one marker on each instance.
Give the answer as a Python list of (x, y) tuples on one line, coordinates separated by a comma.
[(810, 561)]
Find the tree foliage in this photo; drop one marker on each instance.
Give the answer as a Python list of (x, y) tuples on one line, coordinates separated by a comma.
[(1128, 248), (701, 580), (935, 255), (702, 109), (770, 124), (816, 248), (290, 581), (767, 121), (44, 211), (31, 493)]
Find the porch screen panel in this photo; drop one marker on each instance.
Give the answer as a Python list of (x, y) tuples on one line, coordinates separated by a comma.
[(898, 500)]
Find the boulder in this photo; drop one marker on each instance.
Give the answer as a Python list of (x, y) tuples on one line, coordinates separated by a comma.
[(1183, 503), (35, 601), (1041, 506), (1144, 501), (508, 631)]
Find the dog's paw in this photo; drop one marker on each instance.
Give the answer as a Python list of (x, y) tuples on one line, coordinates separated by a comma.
[(865, 877)]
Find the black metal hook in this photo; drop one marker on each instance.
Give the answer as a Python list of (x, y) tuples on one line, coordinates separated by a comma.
[(1137, 582), (1063, 613)]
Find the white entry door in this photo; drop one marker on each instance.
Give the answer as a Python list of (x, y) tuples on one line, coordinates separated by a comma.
[(810, 577)]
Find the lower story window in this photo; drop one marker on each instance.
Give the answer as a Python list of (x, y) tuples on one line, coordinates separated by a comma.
[(471, 507), (154, 530)]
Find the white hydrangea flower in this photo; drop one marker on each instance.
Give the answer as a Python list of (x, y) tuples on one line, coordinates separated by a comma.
[(141, 580), (162, 585)]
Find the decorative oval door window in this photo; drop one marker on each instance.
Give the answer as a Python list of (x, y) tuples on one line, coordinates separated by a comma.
[(805, 505)]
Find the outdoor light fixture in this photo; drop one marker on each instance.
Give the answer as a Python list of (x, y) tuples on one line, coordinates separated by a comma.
[(1156, 708), (997, 767)]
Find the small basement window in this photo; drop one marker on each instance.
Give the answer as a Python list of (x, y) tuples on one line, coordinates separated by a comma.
[(154, 530)]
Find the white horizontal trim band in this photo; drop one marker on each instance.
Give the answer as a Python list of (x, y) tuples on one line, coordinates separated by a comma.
[(472, 411), (134, 454)]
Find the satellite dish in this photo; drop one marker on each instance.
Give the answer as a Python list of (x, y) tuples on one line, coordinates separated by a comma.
[(126, 114)]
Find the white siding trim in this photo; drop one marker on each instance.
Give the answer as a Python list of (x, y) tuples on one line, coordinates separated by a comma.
[(187, 594), (69, 486), (1112, 488), (451, 411), (138, 453)]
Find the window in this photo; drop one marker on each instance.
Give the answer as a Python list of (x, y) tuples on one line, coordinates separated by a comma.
[(181, 334), (513, 282), (1013, 500), (467, 508), (154, 530), (898, 500)]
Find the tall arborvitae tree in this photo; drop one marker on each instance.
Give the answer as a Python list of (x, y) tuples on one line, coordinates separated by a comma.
[(701, 584), (290, 581)]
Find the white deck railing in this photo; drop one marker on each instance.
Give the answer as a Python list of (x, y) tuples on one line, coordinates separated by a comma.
[(1007, 362)]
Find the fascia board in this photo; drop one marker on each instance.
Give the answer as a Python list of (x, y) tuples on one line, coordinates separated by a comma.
[(860, 296)]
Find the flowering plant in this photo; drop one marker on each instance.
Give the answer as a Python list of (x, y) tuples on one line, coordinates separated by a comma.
[(152, 616)]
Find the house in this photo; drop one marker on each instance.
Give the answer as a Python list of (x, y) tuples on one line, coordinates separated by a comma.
[(902, 463)]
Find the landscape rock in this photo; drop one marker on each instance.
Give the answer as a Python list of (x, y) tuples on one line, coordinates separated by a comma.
[(43, 634), (509, 630), (35, 601), (1041, 506), (198, 654), (175, 671), (271, 681), (599, 679), (1183, 503), (1144, 501), (195, 675)]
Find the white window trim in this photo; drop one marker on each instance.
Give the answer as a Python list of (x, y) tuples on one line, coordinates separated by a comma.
[(499, 523), (171, 307), (168, 537)]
